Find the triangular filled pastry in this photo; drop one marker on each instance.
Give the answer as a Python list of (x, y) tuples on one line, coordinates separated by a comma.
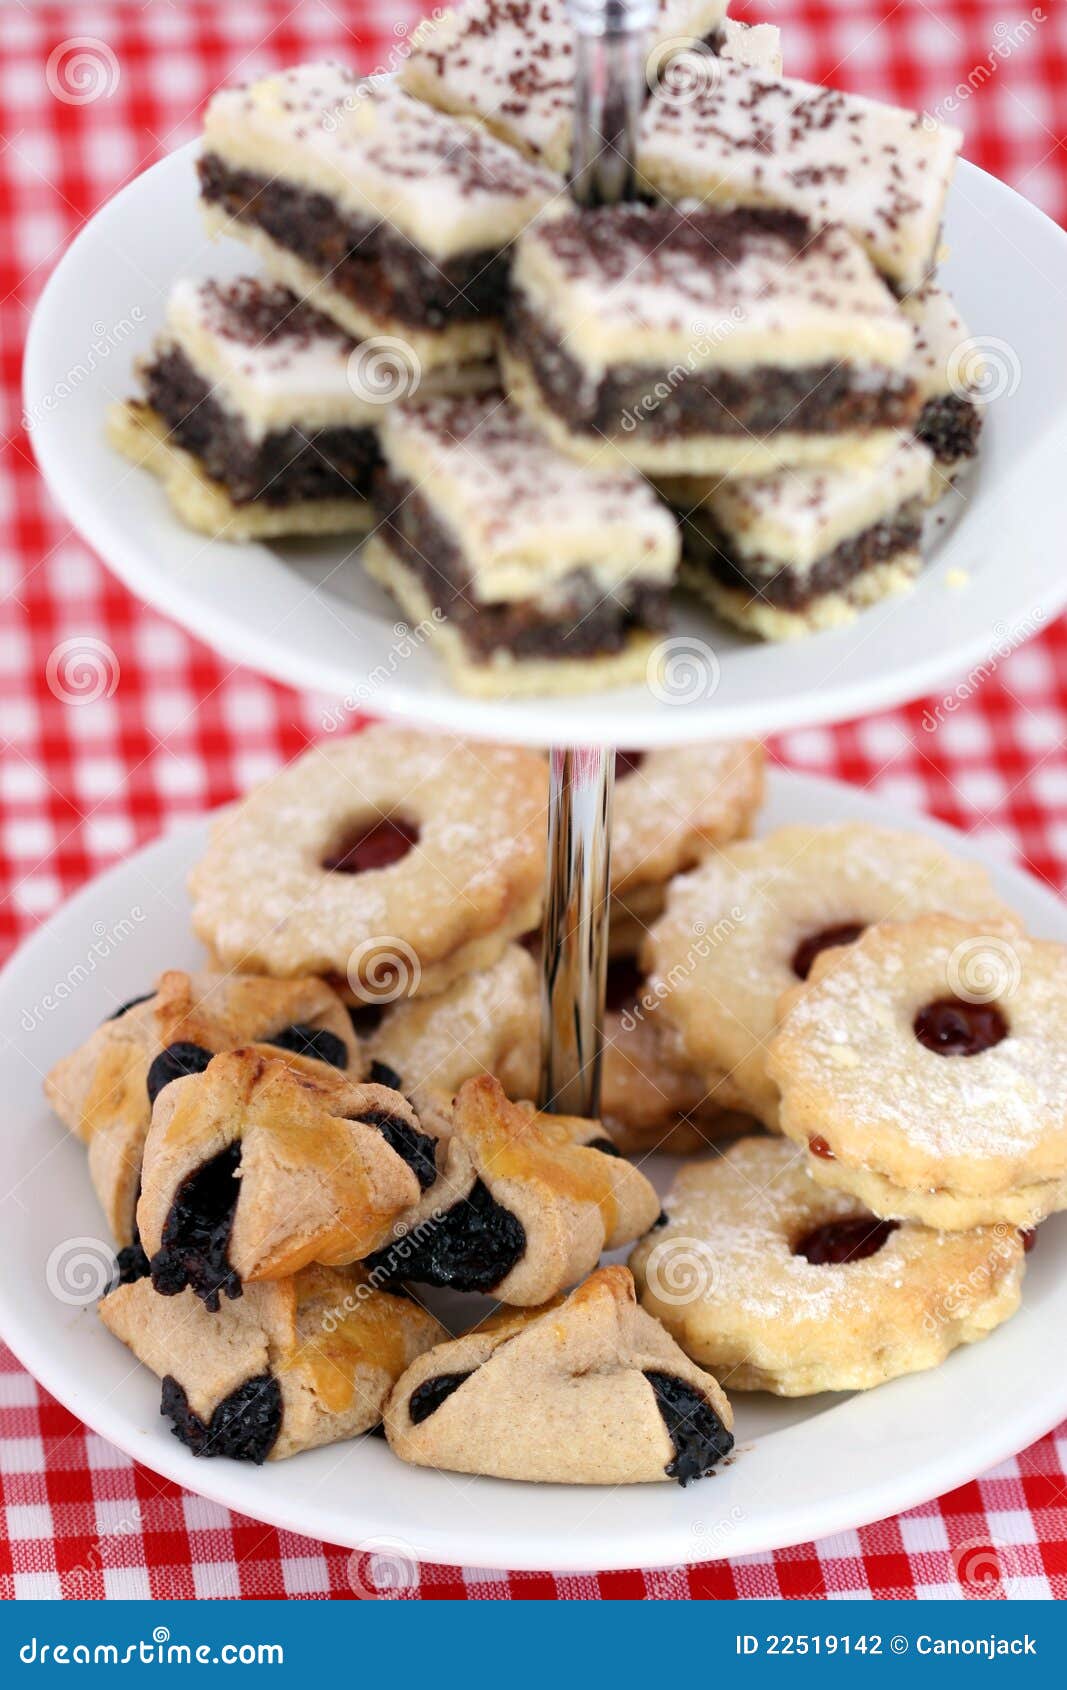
[(296, 1363), (255, 1168), (104, 1090), (589, 1390), (524, 1204)]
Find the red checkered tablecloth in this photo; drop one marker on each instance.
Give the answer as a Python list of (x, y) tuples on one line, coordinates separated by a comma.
[(83, 785)]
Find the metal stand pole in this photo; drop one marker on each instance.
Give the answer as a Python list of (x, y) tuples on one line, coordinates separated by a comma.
[(611, 53)]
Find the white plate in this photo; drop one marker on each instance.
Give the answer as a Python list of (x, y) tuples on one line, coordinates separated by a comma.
[(306, 614), (805, 1468)]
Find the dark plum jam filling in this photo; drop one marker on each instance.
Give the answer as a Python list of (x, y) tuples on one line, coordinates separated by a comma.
[(954, 1027), (380, 845), (839, 1242), (243, 1425), (699, 1437), (846, 933), (625, 981), (473, 1246), (366, 1018), (196, 1233), (131, 1003), (132, 1262), (427, 1398), (606, 1146), (175, 1063), (382, 1075), (418, 1150), (317, 1042), (626, 762)]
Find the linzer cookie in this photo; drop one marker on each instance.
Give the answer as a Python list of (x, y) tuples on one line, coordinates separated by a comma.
[(393, 861), (785, 555), (258, 413), (671, 808), (253, 1169), (588, 1391), (747, 924), (538, 574), (948, 369), (294, 1364), (523, 1206), (104, 1091), (743, 137), (777, 1284), (925, 1072), (510, 63), (391, 217), (706, 342)]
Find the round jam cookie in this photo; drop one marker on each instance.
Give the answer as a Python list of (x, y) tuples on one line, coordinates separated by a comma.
[(778, 1284), (589, 1390), (293, 1364), (254, 1168), (395, 860), (104, 1090), (925, 1068), (485, 1023), (671, 808), (745, 927), (650, 1098)]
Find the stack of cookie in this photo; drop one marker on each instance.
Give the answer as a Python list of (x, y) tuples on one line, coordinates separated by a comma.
[(549, 416)]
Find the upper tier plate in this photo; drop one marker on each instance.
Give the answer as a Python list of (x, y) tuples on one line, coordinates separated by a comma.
[(306, 614)]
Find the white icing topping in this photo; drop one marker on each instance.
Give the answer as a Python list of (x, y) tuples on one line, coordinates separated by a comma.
[(757, 45), (524, 513), (511, 63), (380, 155), (939, 333), (642, 284), (745, 137)]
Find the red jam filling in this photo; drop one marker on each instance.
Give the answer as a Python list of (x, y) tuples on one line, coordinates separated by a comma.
[(1028, 1234), (846, 933), (380, 845), (953, 1027), (819, 1147), (625, 981), (626, 762), (839, 1242)]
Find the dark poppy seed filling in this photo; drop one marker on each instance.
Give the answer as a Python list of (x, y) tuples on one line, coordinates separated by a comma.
[(370, 846), (427, 1398), (244, 1425), (661, 1219), (626, 762), (382, 1075), (845, 933), (606, 1146), (131, 1003), (699, 1437), (418, 1150), (196, 1232), (132, 1262), (318, 1042), (624, 984), (473, 1246), (366, 1018), (837, 1243), (175, 1063), (953, 1027)]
